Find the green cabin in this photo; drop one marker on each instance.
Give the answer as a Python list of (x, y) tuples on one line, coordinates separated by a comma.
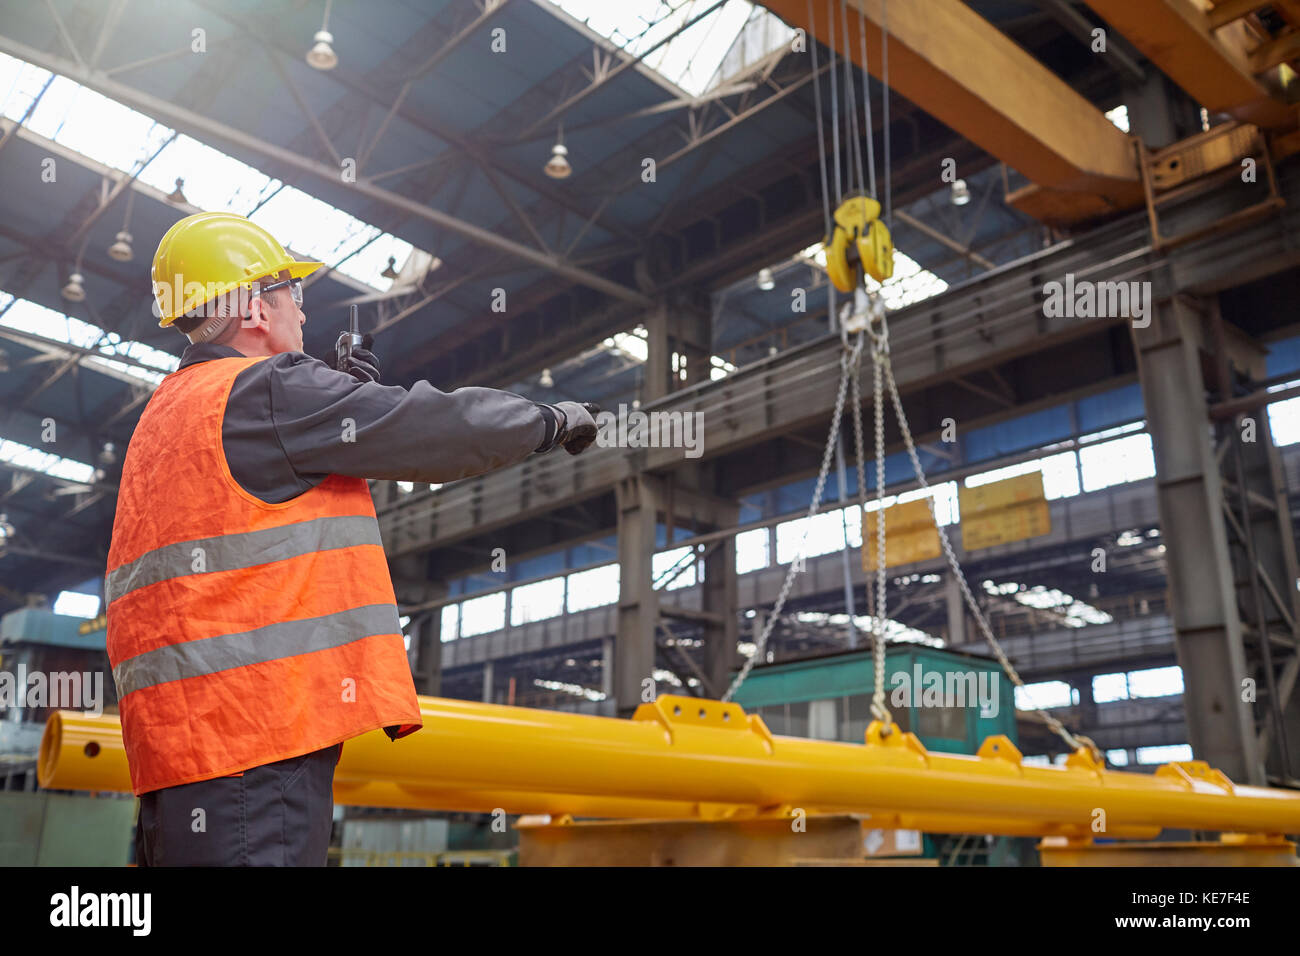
[(951, 700)]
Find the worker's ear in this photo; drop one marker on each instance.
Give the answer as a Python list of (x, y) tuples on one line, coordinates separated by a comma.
[(258, 315)]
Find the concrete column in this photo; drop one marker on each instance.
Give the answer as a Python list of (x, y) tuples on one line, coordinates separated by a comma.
[(488, 688), (1203, 601)]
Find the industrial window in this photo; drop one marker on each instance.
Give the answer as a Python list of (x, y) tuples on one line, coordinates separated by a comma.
[(593, 588), (1060, 475), (1117, 462), (665, 561), (482, 614), (536, 601), (1117, 758), (450, 622), (752, 551), (1156, 682), (945, 501), (1169, 753), (75, 604), (1284, 418), (1048, 693), (1109, 687), (825, 535)]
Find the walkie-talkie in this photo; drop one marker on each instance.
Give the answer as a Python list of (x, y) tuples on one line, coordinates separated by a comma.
[(349, 340)]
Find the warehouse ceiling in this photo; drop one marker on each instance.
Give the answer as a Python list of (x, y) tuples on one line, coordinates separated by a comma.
[(426, 143)]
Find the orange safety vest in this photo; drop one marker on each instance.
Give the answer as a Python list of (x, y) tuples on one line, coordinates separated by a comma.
[(242, 632)]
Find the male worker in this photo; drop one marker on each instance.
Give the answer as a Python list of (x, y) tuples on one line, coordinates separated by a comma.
[(252, 626)]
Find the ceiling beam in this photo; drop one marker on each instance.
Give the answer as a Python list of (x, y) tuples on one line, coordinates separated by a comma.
[(178, 116), (362, 86), (1212, 65), (963, 71)]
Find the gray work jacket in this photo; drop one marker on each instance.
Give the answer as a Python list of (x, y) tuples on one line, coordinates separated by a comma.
[(285, 417)]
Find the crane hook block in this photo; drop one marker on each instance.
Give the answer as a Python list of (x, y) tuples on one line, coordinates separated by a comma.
[(876, 251), (859, 240)]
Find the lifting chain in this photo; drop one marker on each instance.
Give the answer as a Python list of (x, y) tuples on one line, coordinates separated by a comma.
[(849, 362), (858, 243)]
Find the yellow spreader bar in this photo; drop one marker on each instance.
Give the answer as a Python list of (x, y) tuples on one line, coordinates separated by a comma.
[(683, 757)]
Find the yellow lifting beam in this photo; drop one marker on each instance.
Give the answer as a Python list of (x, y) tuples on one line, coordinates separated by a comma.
[(684, 757)]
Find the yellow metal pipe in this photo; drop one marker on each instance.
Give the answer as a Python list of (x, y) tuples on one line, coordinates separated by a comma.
[(683, 751), (80, 752)]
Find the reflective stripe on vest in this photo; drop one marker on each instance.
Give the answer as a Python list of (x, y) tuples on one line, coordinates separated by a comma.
[(283, 639), (242, 632), (231, 552)]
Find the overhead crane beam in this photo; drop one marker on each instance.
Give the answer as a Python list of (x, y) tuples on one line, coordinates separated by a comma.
[(1215, 66), (963, 71), (688, 757)]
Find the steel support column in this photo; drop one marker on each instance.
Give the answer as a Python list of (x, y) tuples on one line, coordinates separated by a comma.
[(956, 605), (1203, 599), (426, 643), (1261, 538), (638, 498), (676, 332), (720, 655)]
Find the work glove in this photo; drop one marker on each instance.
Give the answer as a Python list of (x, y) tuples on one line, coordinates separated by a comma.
[(363, 365), (575, 426)]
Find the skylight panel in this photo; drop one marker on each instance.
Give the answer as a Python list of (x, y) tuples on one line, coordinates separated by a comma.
[(112, 133), (25, 456), (96, 126), (24, 315), (689, 60), (20, 83), (213, 181)]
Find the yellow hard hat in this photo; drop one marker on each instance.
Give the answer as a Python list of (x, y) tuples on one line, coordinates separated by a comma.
[(211, 253)]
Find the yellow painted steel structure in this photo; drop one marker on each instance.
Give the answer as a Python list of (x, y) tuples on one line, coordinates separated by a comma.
[(962, 70), (683, 757)]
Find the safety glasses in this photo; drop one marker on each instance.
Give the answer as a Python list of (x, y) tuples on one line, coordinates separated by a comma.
[(295, 289)]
